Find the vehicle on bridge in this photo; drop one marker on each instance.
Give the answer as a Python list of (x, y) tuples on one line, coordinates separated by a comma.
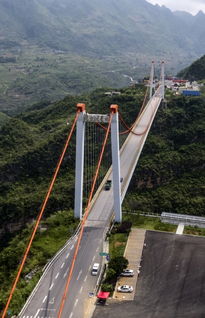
[(108, 185), (95, 269)]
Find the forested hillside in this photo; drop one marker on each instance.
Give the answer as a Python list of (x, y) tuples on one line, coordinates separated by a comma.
[(195, 72), (169, 177)]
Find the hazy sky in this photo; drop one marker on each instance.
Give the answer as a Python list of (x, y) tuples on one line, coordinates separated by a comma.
[(192, 6)]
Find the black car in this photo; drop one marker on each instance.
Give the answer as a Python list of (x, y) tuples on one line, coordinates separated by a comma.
[(108, 185)]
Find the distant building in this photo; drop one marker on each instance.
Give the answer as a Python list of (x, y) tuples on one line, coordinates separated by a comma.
[(179, 81), (191, 93), (112, 93)]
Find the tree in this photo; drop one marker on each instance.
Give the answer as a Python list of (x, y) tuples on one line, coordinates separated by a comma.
[(118, 264), (111, 274)]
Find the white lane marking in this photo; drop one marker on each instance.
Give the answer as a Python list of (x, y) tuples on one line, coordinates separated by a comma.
[(62, 264), (24, 316), (66, 273), (90, 268), (27, 316), (67, 255), (81, 289), (51, 286), (57, 275), (71, 315), (45, 299), (76, 302), (93, 258), (85, 278), (37, 313), (72, 247), (79, 275), (76, 238)]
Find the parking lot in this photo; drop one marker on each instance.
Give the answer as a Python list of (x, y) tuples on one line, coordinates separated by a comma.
[(171, 283)]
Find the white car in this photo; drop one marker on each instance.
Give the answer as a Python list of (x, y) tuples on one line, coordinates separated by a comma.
[(125, 289), (95, 269), (127, 273)]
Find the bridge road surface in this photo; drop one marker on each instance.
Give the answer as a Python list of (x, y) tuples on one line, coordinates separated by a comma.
[(46, 298)]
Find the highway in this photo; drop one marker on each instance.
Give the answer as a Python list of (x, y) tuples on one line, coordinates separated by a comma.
[(45, 299)]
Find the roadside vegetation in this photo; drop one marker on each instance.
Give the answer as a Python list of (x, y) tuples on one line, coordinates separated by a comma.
[(117, 243), (148, 223), (194, 230), (51, 236)]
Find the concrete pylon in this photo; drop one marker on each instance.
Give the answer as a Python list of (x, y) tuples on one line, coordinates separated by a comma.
[(162, 80), (116, 163), (151, 80), (79, 163)]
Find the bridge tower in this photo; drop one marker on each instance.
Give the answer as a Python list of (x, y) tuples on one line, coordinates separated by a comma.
[(116, 163), (79, 160), (162, 79), (151, 80), (79, 168)]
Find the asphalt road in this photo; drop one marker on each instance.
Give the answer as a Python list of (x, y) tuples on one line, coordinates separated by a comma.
[(45, 301), (171, 282)]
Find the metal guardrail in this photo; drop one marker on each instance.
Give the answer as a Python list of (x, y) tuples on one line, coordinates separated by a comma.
[(188, 220), (148, 214)]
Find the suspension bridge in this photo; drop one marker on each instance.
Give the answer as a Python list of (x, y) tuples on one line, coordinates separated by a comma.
[(66, 282)]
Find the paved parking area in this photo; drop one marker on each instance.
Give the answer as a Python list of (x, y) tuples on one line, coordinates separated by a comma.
[(171, 283), (133, 253)]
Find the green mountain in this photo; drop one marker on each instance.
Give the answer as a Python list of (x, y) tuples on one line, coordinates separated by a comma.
[(169, 177), (195, 72), (52, 48), (30, 145), (98, 28)]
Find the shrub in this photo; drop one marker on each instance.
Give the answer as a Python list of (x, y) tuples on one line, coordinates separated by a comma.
[(111, 274), (124, 227), (107, 287)]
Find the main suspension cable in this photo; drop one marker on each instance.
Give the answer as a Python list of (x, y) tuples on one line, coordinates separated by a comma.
[(40, 216), (129, 129), (85, 216)]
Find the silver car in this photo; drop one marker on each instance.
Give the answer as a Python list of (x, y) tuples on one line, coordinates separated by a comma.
[(125, 289), (127, 273)]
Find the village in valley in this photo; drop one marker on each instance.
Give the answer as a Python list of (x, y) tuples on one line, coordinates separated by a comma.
[(183, 87)]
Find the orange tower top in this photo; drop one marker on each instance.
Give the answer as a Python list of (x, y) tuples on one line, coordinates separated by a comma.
[(114, 108), (80, 107)]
